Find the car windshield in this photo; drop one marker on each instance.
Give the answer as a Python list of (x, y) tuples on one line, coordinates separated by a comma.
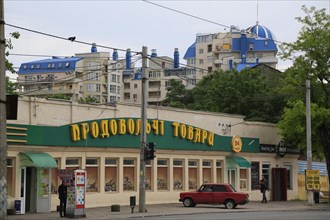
[(234, 190)]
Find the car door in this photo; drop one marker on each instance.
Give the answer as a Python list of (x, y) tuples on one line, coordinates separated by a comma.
[(205, 195), (220, 193)]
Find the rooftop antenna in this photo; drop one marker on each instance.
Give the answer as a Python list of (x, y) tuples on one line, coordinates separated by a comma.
[(257, 18)]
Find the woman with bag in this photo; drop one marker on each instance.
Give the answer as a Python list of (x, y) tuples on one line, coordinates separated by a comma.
[(263, 188)]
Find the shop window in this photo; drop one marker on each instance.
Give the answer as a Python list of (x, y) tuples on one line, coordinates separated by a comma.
[(288, 167), (243, 179), (148, 176), (192, 174), (129, 175), (43, 182), (92, 168), (10, 177), (232, 177), (178, 174), (219, 171), (255, 175), (72, 163), (266, 172), (207, 171), (55, 180), (111, 175), (162, 174)]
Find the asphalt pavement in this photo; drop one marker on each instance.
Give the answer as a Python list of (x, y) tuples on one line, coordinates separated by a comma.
[(176, 209)]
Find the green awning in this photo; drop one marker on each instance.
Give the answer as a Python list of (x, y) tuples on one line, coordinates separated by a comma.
[(37, 159), (232, 162)]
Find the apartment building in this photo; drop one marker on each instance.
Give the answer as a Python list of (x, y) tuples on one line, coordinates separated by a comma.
[(85, 75), (236, 49)]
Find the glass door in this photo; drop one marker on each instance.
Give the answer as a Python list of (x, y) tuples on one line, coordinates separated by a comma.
[(23, 189), (43, 190), (232, 177)]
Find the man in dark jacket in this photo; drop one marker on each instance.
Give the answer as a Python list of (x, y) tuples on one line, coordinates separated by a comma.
[(62, 195)]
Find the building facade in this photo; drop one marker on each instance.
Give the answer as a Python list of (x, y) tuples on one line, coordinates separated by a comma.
[(192, 147), (234, 49), (86, 75)]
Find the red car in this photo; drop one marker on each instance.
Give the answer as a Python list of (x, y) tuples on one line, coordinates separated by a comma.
[(217, 193)]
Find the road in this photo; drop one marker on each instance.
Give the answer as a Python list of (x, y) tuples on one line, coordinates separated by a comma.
[(262, 215)]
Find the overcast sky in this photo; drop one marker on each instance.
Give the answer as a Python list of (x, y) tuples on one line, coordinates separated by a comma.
[(133, 24)]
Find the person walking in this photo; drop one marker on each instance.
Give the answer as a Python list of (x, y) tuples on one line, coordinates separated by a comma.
[(62, 195), (263, 189)]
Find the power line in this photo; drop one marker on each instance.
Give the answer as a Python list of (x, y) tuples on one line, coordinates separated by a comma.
[(67, 39)]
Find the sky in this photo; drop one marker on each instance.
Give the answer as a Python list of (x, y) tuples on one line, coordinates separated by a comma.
[(132, 24)]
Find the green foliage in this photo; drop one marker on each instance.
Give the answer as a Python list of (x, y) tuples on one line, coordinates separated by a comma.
[(9, 45), (89, 100), (11, 87), (59, 96), (311, 61), (177, 96)]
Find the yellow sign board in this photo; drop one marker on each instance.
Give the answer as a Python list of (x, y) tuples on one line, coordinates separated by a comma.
[(312, 180)]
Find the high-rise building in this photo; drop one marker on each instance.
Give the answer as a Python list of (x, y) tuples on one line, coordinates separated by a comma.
[(236, 49)]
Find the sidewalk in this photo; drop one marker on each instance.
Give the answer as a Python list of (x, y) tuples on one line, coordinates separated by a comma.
[(177, 209)]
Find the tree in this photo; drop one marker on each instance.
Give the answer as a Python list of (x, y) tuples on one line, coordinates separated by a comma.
[(251, 92), (311, 61), (11, 87), (177, 95)]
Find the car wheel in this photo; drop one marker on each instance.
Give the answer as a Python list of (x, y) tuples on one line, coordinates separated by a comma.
[(187, 202), (230, 204)]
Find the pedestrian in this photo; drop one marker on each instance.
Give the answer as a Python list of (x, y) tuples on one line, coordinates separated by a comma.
[(263, 188), (62, 195)]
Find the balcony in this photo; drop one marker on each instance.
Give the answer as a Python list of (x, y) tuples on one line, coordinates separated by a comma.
[(45, 92)]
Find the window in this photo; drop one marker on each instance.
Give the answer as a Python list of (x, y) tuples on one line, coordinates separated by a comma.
[(93, 87), (129, 175), (219, 188), (243, 179), (111, 175), (10, 177), (24, 67), (209, 69), (192, 174), (32, 66), (209, 59), (288, 167), (135, 97), (39, 77), (201, 61), (266, 172), (148, 176), (219, 171), (255, 175), (178, 174), (59, 65), (207, 171), (266, 43), (67, 65), (209, 48), (54, 178), (113, 88), (113, 78), (201, 51), (162, 174), (50, 77), (93, 77), (135, 86), (92, 168), (250, 46), (72, 163)]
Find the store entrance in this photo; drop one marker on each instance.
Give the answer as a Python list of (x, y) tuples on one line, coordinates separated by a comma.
[(279, 191)]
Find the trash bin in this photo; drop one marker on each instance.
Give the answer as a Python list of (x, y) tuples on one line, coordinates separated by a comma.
[(317, 197), (18, 206)]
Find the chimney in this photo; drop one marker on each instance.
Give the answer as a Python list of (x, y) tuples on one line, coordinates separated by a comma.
[(94, 49), (115, 55), (176, 58), (128, 59)]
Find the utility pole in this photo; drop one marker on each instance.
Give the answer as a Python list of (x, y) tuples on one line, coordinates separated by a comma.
[(309, 136), (142, 192), (3, 118)]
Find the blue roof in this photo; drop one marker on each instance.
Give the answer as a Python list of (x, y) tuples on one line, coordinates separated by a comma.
[(242, 66), (258, 44), (261, 32), (191, 52), (55, 64)]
